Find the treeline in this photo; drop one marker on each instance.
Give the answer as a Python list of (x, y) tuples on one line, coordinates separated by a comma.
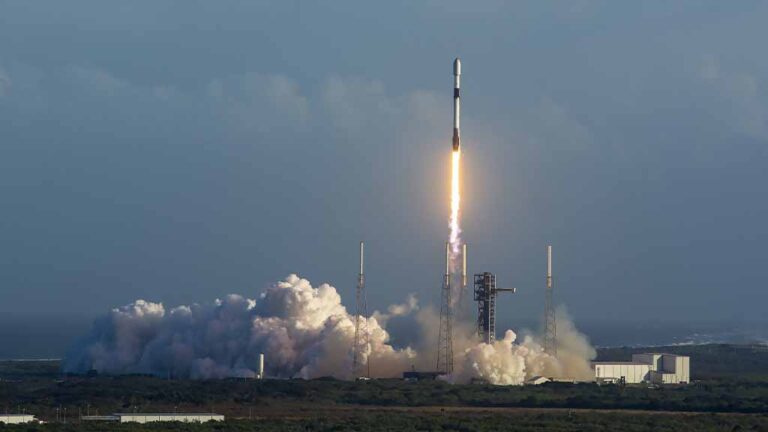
[(420, 421), (237, 397)]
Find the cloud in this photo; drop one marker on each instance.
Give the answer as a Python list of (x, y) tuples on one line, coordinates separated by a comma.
[(95, 79), (740, 93), (356, 105), (410, 306), (258, 103)]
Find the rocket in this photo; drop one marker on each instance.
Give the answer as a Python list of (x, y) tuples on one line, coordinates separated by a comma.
[(456, 103)]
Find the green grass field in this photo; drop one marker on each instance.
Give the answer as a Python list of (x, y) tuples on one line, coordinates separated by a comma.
[(730, 393)]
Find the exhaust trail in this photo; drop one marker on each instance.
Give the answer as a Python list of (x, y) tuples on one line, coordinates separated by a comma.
[(455, 238)]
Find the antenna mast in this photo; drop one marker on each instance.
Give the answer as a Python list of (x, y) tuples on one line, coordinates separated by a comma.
[(361, 318)]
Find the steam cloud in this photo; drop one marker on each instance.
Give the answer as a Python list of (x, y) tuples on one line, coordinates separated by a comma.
[(304, 332), (507, 361)]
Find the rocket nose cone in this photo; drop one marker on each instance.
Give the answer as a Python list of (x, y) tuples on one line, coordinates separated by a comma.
[(457, 66)]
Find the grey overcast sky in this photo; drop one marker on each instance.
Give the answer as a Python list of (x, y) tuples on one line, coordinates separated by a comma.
[(178, 151)]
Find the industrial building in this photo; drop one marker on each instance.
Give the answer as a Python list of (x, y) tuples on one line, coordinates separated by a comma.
[(650, 368), (537, 380), (157, 417), (17, 418)]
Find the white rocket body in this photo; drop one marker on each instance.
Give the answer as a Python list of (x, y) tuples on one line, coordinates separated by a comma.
[(456, 104)]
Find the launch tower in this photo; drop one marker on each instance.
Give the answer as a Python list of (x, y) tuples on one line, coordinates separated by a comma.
[(485, 296)]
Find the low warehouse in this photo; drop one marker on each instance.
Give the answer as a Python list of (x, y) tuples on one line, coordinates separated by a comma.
[(17, 418), (651, 368), (157, 417)]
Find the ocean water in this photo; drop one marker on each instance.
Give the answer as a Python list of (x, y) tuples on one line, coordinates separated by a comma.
[(636, 334)]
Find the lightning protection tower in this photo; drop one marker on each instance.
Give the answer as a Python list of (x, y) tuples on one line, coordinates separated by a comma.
[(361, 326), (550, 331), (445, 336), (485, 296)]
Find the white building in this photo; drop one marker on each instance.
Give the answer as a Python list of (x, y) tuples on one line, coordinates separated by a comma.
[(17, 418), (630, 372), (653, 368), (537, 380), (157, 417)]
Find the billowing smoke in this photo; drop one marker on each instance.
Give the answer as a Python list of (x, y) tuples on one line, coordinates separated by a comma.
[(304, 332), (509, 361)]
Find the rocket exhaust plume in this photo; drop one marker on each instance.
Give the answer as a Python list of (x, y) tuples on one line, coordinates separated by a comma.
[(455, 238), (304, 332)]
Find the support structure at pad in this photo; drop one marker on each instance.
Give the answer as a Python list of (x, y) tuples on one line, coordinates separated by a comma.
[(485, 296)]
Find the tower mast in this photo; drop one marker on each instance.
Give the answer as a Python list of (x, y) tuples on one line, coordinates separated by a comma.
[(361, 320)]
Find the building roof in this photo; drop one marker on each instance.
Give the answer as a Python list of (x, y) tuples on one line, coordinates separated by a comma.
[(166, 414), (661, 354), (619, 363)]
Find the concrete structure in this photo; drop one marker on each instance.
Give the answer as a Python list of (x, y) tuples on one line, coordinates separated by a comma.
[(157, 417), (651, 368), (17, 418)]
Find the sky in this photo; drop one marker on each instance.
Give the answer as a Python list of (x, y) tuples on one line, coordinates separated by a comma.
[(178, 151)]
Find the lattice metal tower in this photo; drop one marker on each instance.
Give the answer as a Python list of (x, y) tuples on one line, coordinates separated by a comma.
[(361, 326), (550, 331), (445, 336), (485, 296)]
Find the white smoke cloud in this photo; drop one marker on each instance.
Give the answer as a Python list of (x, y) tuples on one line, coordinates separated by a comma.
[(508, 361), (304, 332), (396, 310)]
